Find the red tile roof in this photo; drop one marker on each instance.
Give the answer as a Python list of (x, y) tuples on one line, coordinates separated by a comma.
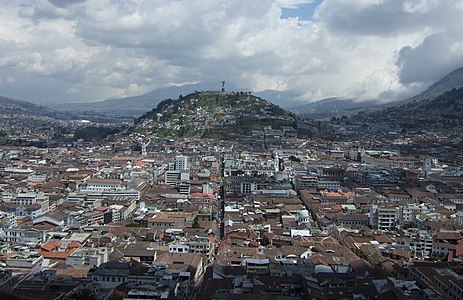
[(57, 255), (74, 244), (49, 246)]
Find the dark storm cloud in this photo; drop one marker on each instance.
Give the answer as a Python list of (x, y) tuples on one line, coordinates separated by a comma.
[(437, 55)]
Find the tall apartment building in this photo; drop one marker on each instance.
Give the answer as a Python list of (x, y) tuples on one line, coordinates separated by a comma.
[(384, 217), (387, 217), (177, 171), (181, 163)]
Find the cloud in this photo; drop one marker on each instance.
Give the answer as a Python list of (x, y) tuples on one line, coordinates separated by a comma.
[(386, 17), (87, 50), (65, 3), (293, 4), (435, 57)]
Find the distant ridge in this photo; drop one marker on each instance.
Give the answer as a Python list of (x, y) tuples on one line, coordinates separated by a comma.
[(452, 80), (16, 106), (341, 106), (137, 105), (331, 107)]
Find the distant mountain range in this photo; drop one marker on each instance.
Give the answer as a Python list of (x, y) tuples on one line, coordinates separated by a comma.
[(137, 105), (284, 99), (453, 80), (216, 115), (340, 106), (331, 106)]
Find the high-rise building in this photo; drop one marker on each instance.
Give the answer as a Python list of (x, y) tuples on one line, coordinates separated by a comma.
[(181, 163)]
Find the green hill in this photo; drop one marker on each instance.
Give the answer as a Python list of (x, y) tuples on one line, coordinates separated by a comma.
[(215, 115), (15, 106), (443, 112)]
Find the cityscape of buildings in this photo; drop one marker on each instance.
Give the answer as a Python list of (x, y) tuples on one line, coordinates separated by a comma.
[(267, 215), (231, 150)]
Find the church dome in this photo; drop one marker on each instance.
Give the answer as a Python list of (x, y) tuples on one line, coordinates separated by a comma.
[(303, 214)]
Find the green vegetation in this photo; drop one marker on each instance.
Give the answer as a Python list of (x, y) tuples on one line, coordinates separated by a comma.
[(94, 132), (84, 294), (4, 141), (442, 112), (214, 115), (294, 159)]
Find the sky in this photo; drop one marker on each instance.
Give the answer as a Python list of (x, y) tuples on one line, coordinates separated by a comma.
[(78, 50)]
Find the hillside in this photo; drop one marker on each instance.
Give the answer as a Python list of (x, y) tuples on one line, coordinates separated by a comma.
[(215, 115), (443, 112), (331, 107), (453, 80), (12, 106)]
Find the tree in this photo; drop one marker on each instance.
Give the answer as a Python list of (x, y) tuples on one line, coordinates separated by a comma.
[(196, 223), (84, 294), (294, 159), (265, 241)]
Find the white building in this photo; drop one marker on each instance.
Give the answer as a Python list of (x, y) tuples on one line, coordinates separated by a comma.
[(26, 203), (98, 189), (387, 217), (172, 177), (29, 198), (179, 248), (329, 184), (37, 177), (421, 243), (100, 185), (408, 212), (24, 236), (88, 257), (303, 217), (248, 187), (181, 163)]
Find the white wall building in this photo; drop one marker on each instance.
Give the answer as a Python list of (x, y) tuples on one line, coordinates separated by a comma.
[(387, 217), (88, 257), (181, 163), (179, 248)]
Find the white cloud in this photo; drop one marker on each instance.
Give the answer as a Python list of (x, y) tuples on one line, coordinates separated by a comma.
[(95, 49), (293, 4)]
